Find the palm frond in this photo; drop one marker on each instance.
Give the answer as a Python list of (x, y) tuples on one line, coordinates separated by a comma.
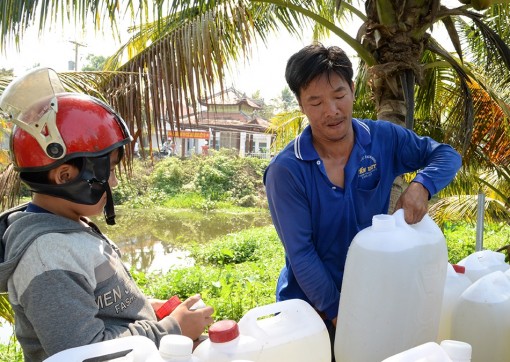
[(10, 184), (6, 311), (286, 126), (453, 34), (364, 106), (463, 110), (17, 15), (464, 208)]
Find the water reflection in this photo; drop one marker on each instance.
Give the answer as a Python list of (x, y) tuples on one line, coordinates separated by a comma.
[(153, 240)]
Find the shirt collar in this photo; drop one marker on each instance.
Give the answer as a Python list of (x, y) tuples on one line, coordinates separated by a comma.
[(31, 207), (303, 144)]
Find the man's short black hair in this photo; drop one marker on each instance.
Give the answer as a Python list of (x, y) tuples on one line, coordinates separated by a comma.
[(313, 61)]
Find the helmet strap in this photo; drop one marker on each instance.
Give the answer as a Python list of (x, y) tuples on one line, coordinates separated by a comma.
[(109, 212)]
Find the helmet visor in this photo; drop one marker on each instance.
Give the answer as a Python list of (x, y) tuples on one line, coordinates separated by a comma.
[(21, 95)]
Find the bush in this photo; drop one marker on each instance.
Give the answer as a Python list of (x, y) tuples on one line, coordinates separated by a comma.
[(169, 176), (231, 249), (461, 239), (227, 176), (133, 183), (222, 176)]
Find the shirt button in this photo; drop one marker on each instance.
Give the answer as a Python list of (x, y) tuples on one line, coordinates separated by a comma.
[(334, 187), (318, 162)]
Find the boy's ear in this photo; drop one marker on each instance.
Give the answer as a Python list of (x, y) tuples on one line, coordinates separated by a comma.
[(62, 174)]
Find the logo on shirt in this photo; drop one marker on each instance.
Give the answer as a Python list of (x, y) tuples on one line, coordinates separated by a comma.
[(116, 299), (368, 166)]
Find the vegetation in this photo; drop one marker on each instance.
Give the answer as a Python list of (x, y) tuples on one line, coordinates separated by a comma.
[(221, 179), (405, 75)]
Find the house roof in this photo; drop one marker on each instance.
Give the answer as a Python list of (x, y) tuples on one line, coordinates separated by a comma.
[(230, 96), (231, 120), (225, 122)]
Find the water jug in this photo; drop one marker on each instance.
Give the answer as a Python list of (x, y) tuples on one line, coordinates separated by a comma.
[(458, 351), (482, 318), (125, 349), (290, 330), (392, 289), (174, 348), (483, 262), (448, 351), (456, 283)]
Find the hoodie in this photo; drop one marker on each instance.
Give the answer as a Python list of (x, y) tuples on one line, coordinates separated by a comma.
[(68, 287)]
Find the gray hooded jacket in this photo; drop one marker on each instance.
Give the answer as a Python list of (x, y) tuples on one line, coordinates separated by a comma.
[(68, 286)]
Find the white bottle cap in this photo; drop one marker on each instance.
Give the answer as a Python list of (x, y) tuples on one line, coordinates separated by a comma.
[(175, 345), (458, 351), (198, 305)]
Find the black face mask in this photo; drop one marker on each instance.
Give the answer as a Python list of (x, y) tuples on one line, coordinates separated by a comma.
[(86, 189)]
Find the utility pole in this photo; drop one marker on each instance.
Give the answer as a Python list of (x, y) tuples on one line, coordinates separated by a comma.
[(76, 45)]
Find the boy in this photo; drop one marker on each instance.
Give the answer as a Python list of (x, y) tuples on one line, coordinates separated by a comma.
[(66, 282)]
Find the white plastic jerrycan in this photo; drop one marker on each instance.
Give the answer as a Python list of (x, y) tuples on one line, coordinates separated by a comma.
[(482, 318), (483, 262), (290, 330), (174, 348), (226, 344), (448, 351), (392, 289), (125, 349), (456, 283)]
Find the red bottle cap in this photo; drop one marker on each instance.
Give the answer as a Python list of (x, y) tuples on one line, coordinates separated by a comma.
[(168, 307), (223, 331), (459, 268)]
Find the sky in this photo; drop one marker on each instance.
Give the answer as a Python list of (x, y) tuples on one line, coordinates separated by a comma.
[(263, 72)]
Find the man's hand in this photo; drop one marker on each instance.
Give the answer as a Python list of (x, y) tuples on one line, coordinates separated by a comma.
[(415, 202)]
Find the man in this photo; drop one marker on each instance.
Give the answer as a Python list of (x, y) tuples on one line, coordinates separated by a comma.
[(329, 182)]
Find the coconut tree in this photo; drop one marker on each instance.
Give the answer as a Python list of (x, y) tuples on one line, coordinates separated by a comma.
[(182, 54)]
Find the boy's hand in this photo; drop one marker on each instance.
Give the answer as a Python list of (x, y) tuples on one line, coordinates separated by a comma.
[(192, 322), (157, 303)]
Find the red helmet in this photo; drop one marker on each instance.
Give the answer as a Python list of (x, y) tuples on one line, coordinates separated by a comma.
[(86, 127), (53, 127)]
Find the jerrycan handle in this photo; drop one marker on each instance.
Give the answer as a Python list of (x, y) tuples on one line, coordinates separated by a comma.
[(426, 223), (400, 220), (248, 324)]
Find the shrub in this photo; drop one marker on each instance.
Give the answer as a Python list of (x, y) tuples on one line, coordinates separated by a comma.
[(461, 239), (169, 176), (231, 249), (133, 183)]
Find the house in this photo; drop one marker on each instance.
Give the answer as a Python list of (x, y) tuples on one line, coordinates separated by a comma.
[(227, 119)]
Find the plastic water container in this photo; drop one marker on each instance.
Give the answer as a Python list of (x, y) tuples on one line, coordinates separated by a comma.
[(125, 349), (448, 351), (174, 348), (458, 351), (290, 330), (392, 290), (456, 283), (483, 262), (482, 318)]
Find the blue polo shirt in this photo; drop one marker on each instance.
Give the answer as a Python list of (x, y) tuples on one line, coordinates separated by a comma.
[(317, 220)]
